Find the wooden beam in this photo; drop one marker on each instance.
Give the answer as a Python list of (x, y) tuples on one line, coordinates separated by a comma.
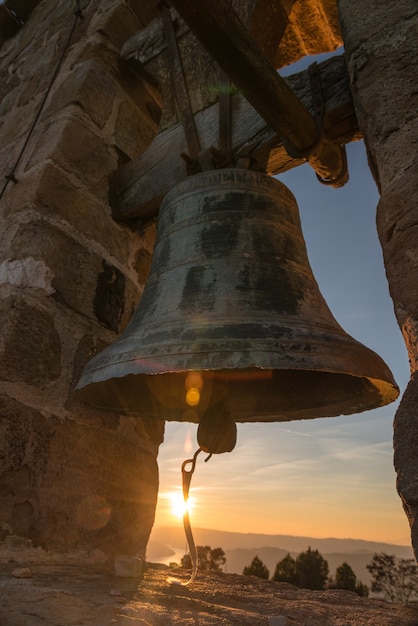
[(221, 32), (138, 187)]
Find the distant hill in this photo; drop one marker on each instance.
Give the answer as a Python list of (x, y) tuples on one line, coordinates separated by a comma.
[(174, 537), (240, 548)]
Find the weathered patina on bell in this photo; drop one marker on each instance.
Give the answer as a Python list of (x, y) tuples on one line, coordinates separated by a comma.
[(232, 316)]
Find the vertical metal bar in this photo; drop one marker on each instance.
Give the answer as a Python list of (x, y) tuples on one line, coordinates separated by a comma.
[(180, 86), (225, 121)]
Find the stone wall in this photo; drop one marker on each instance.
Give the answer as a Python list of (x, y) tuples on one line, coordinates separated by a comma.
[(71, 478), (382, 54)]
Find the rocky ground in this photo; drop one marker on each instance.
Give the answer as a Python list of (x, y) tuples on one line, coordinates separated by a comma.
[(53, 594)]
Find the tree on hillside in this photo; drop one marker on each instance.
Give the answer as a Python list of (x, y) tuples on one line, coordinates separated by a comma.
[(361, 589), (382, 570), (396, 580), (217, 559), (309, 570), (345, 578), (285, 571), (408, 580), (208, 559), (256, 568), (312, 570)]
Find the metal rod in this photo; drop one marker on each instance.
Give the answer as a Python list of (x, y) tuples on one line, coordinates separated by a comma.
[(180, 86), (221, 32)]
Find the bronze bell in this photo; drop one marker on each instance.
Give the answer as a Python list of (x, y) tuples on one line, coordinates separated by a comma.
[(231, 316)]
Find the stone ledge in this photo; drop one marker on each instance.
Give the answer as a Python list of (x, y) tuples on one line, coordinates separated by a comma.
[(62, 595)]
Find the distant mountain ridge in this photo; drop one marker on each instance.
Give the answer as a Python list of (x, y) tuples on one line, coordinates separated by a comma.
[(174, 536), (167, 543)]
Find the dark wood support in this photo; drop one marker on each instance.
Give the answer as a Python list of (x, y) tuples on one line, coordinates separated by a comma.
[(221, 32), (138, 187)]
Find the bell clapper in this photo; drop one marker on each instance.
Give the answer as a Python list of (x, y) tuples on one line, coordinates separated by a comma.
[(217, 431)]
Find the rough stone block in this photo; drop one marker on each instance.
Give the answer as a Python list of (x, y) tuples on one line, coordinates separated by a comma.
[(129, 567), (78, 150), (54, 195), (89, 488), (109, 297), (359, 25), (82, 280), (398, 153), (398, 233), (57, 195), (18, 123), (383, 77), (35, 84), (117, 24), (27, 273), (88, 86), (24, 441), (36, 56), (74, 267), (405, 440), (30, 348), (134, 129), (8, 90), (313, 28), (88, 346)]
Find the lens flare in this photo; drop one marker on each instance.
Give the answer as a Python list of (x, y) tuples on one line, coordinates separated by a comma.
[(93, 513), (194, 380), (193, 384), (193, 396)]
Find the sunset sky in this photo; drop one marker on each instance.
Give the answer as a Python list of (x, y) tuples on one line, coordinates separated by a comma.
[(329, 477)]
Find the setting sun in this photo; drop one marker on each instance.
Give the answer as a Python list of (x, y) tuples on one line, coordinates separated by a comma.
[(178, 505)]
